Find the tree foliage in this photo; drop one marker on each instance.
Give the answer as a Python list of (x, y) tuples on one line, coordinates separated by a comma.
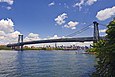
[(106, 53), (3, 47)]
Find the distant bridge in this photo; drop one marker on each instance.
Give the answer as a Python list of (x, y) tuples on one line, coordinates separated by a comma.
[(80, 39), (95, 38)]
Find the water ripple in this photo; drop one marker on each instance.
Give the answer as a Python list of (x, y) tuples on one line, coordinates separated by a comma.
[(45, 64)]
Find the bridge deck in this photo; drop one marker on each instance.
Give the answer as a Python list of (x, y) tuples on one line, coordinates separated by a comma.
[(80, 39)]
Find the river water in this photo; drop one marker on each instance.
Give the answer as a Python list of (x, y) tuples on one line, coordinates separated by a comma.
[(45, 64)]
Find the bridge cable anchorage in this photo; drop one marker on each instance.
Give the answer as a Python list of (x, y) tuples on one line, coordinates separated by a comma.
[(79, 31)]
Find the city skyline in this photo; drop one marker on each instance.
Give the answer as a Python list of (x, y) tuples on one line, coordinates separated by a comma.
[(49, 19)]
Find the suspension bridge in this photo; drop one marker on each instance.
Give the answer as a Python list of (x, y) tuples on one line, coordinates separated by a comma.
[(95, 38)]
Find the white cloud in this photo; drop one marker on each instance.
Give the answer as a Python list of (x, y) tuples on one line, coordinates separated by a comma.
[(7, 38), (71, 25), (14, 34), (73, 28), (6, 25), (54, 37), (10, 2), (79, 4), (7, 32), (2, 33), (32, 37), (51, 4), (106, 13), (8, 8), (84, 2), (102, 30), (61, 19), (90, 2), (9, 35), (12, 37)]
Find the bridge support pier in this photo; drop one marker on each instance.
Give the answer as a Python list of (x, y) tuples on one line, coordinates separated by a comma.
[(21, 48), (20, 40), (13, 47), (96, 32)]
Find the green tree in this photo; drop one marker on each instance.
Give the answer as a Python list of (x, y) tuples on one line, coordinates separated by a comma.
[(106, 53), (111, 47)]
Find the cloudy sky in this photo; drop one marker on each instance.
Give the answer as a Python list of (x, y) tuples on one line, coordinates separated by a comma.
[(42, 19)]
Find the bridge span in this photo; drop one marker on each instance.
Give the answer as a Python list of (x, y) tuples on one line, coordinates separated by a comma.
[(80, 39), (95, 38)]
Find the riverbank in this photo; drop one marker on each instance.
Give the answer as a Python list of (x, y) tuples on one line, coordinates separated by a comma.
[(94, 53), (4, 47)]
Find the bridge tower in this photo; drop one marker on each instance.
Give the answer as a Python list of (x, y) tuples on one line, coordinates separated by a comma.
[(20, 40), (96, 32)]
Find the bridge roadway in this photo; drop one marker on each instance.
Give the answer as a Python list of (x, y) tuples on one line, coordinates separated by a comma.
[(79, 39)]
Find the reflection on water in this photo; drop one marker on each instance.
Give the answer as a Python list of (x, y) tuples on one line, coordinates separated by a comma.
[(45, 64)]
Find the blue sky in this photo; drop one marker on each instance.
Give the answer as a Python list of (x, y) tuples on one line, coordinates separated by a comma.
[(39, 16)]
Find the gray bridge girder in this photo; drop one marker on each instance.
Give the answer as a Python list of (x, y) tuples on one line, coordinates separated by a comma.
[(80, 39)]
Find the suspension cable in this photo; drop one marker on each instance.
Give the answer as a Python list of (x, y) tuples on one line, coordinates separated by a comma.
[(80, 31)]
